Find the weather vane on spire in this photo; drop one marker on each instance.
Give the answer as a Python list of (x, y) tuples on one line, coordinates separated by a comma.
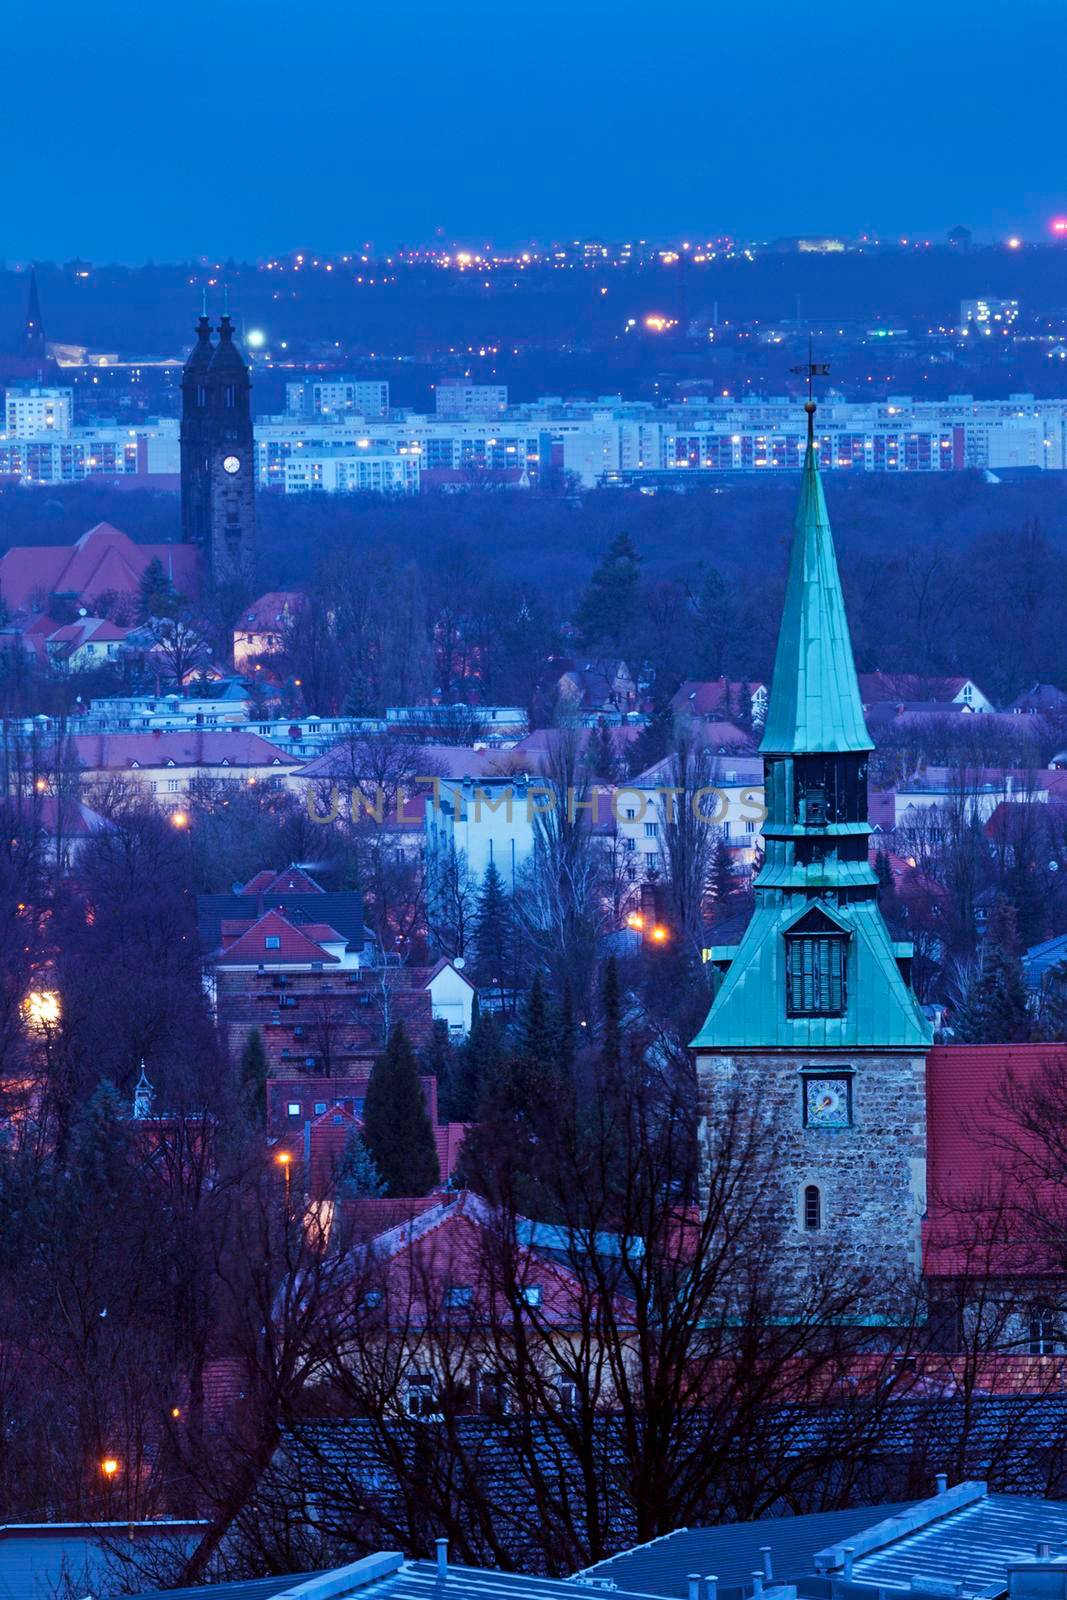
[(811, 370)]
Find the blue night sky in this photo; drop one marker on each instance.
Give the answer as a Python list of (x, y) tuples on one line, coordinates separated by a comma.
[(164, 128)]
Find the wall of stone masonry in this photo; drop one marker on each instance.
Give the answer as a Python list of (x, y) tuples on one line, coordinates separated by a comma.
[(871, 1176)]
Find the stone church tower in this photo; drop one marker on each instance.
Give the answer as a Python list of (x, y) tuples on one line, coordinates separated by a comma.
[(815, 1029), (217, 468)]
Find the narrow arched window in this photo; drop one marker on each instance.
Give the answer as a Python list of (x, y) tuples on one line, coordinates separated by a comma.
[(812, 1208)]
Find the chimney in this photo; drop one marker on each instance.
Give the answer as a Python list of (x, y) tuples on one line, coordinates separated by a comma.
[(442, 1557), (768, 1570), (849, 1550), (757, 1585), (1044, 1550), (694, 1586), (712, 1581), (942, 1482)]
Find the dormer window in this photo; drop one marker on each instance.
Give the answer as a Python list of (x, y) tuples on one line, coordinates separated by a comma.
[(816, 967)]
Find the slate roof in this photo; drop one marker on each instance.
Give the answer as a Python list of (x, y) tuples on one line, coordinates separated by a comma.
[(1040, 959), (815, 698), (341, 909), (732, 1551)]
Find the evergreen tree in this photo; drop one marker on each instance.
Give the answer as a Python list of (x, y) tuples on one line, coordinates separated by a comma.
[(537, 1035), (492, 932), (608, 612), (396, 1124), (601, 755), (995, 1008), (357, 1173), (478, 1065), (100, 1141), (611, 1019), (653, 741), (253, 1078), (1054, 1004), (721, 877), (567, 1032), (156, 596)]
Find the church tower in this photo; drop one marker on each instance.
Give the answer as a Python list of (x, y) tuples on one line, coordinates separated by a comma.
[(815, 1028), (34, 347), (217, 468)]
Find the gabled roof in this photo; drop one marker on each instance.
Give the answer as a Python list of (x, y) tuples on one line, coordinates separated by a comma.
[(291, 880), (342, 909), (704, 697), (815, 699), (908, 686), (269, 612), (104, 558), (295, 947)]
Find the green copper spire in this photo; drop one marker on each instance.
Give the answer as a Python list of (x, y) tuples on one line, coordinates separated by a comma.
[(815, 698), (816, 893)]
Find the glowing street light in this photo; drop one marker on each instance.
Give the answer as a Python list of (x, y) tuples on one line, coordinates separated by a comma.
[(179, 819), (255, 338), (285, 1161), (659, 935), (109, 1467), (41, 1008), (635, 920)]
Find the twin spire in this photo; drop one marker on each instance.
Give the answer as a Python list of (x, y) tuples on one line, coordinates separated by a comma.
[(814, 702)]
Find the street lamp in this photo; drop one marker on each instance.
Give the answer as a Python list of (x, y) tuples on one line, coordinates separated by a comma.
[(41, 1007), (659, 935), (285, 1161), (179, 819), (109, 1467)]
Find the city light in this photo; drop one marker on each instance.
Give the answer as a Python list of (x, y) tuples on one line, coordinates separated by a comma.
[(283, 1158), (109, 1466), (1014, 243), (41, 1007), (179, 819), (659, 935), (255, 338), (1058, 226), (635, 920)]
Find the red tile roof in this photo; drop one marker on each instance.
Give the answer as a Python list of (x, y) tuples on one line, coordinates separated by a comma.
[(194, 747), (985, 1172), (295, 947), (876, 687), (702, 698), (270, 612), (104, 558)]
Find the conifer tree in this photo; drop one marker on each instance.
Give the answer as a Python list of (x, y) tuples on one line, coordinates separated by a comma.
[(721, 877), (357, 1172), (493, 932), (607, 614), (995, 1007), (611, 1019), (100, 1141), (155, 592), (396, 1124), (479, 1065), (253, 1078), (537, 1035)]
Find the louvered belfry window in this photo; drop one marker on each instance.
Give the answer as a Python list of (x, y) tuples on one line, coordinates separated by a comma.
[(816, 974)]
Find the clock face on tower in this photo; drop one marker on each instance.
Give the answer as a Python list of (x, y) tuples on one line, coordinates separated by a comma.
[(827, 1103), (231, 464)]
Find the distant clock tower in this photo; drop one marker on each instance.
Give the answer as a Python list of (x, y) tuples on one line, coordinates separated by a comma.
[(217, 467)]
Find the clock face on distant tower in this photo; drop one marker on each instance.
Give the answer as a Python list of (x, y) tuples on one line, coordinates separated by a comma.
[(231, 464)]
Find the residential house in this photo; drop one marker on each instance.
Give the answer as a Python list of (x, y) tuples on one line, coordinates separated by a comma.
[(260, 630), (879, 688), (721, 700), (169, 765)]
